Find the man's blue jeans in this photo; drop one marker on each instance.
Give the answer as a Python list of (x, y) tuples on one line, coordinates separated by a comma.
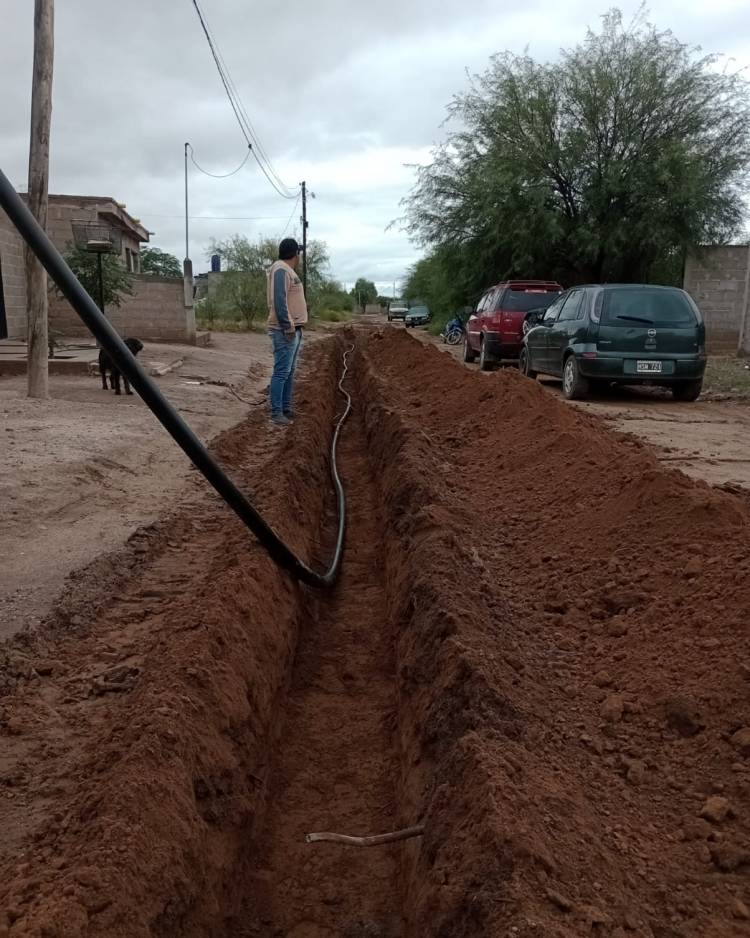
[(285, 356)]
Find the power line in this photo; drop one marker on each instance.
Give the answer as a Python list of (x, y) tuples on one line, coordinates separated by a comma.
[(241, 107), (286, 226), (240, 112), (218, 217), (218, 175)]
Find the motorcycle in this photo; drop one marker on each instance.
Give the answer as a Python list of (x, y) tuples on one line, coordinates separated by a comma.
[(453, 332)]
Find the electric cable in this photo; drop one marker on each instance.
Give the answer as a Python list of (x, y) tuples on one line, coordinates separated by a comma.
[(286, 226), (180, 431), (243, 111), (239, 110), (218, 175)]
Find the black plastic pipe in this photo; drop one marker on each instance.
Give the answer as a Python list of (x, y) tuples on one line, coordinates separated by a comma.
[(178, 429)]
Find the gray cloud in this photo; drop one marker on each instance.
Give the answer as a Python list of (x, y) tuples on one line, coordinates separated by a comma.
[(341, 94)]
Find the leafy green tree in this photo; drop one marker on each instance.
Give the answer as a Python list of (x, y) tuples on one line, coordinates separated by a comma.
[(364, 293), (606, 165), (245, 294), (159, 263), (332, 296), (116, 280), (242, 289)]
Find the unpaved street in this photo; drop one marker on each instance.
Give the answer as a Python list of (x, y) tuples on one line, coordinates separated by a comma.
[(537, 651), (81, 472)]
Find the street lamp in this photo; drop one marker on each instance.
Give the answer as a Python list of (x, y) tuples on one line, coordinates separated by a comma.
[(97, 239)]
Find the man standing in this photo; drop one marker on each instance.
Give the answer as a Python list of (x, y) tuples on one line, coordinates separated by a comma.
[(287, 314)]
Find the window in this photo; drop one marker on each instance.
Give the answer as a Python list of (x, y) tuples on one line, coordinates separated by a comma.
[(647, 306), (484, 302), (523, 301), (551, 314), (571, 306)]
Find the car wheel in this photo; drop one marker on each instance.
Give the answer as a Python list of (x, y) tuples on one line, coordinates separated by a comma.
[(524, 364), (484, 363), (469, 354), (575, 386), (687, 390)]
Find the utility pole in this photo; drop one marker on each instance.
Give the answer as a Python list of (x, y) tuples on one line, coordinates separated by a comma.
[(187, 238), (41, 116), (187, 265), (304, 237)]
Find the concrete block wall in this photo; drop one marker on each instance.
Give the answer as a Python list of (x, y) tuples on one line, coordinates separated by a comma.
[(717, 279), (156, 312), (12, 260)]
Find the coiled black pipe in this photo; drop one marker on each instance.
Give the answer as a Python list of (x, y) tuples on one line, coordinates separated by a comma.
[(173, 423)]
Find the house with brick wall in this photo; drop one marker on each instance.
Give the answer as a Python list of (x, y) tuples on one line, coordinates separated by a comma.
[(156, 311), (66, 209)]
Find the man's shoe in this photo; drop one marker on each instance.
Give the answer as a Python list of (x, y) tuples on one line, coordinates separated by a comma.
[(281, 421), (289, 414)]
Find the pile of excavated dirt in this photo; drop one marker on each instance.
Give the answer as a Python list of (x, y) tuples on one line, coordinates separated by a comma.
[(537, 650), (589, 697)]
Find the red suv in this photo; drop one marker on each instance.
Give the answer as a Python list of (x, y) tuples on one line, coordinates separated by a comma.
[(495, 328)]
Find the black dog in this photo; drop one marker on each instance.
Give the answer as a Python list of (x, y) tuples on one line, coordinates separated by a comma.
[(106, 365)]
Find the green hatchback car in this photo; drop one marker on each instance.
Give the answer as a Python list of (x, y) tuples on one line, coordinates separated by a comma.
[(619, 334)]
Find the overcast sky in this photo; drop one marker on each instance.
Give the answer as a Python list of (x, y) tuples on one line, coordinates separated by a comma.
[(342, 94)]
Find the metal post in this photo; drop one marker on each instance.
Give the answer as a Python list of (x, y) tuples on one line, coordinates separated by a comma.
[(187, 237), (304, 237), (101, 280)]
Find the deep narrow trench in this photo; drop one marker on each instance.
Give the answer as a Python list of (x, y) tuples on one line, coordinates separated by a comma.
[(334, 763)]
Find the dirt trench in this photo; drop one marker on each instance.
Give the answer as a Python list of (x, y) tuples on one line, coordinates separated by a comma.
[(334, 763), (538, 650), (189, 714)]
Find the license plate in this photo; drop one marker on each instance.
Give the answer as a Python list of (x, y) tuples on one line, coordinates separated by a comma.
[(648, 367)]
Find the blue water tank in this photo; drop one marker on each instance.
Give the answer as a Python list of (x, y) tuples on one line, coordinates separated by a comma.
[(215, 264)]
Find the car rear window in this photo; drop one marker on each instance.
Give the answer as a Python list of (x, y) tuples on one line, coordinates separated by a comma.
[(647, 307), (521, 301)]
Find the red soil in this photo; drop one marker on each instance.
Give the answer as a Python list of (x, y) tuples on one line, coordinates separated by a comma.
[(538, 649)]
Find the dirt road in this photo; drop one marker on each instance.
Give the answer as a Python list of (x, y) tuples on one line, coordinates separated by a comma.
[(537, 650), (81, 472)]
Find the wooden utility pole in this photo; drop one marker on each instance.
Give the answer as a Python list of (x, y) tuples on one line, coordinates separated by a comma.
[(304, 237), (41, 116)]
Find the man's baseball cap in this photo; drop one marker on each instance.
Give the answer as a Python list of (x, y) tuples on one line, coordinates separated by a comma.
[(289, 249)]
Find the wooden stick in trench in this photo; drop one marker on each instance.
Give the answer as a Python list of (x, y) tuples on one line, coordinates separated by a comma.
[(373, 841)]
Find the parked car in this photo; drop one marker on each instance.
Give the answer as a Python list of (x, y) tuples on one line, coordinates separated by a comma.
[(495, 328), (418, 316), (397, 309), (620, 334)]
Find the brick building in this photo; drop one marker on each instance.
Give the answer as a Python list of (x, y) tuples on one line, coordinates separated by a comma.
[(66, 209), (718, 279), (155, 312)]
